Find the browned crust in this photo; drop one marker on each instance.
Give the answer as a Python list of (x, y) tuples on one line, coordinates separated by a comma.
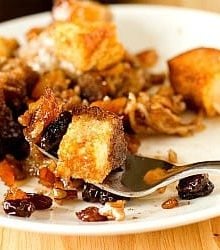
[(192, 73), (94, 112)]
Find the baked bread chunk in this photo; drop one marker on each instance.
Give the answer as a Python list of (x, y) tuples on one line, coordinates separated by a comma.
[(195, 75), (93, 145), (75, 48), (87, 46)]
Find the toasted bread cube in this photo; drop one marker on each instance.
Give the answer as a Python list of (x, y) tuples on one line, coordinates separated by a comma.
[(93, 145), (80, 11), (87, 46), (195, 74)]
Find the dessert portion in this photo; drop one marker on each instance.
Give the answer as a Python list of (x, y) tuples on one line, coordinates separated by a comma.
[(74, 91)]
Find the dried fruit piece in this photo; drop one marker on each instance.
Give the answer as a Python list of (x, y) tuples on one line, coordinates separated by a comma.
[(11, 137), (47, 178), (54, 132), (92, 193), (194, 186), (19, 203), (90, 214), (40, 201), (7, 173), (170, 203), (21, 208)]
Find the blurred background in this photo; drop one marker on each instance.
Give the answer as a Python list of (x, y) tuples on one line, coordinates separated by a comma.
[(14, 8)]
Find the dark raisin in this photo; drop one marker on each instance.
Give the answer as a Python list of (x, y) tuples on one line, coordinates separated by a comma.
[(53, 133), (194, 186), (40, 201), (92, 193), (21, 208), (12, 140), (90, 214)]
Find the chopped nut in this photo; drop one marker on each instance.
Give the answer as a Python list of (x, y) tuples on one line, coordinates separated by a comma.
[(90, 214), (170, 203), (114, 210)]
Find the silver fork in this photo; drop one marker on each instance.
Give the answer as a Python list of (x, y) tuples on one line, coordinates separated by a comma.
[(130, 182)]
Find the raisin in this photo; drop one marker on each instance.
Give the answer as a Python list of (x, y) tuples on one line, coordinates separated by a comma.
[(21, 208), (40, 201), (92, 193), (12, 140), (91, 214), (54, 132), (194, 186)]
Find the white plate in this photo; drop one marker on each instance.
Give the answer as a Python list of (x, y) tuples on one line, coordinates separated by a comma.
[(170, 31)]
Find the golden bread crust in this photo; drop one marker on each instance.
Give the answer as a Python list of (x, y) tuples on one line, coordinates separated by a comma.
[(87, 46), (195, 74), (93, 145)]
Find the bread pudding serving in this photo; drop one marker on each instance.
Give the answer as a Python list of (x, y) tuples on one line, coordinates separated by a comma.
[(73, 91)]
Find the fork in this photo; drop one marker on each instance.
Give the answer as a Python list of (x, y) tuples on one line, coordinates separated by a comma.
[(130, 181)]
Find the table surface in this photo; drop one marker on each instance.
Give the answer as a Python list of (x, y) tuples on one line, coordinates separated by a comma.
[(203, 235)]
